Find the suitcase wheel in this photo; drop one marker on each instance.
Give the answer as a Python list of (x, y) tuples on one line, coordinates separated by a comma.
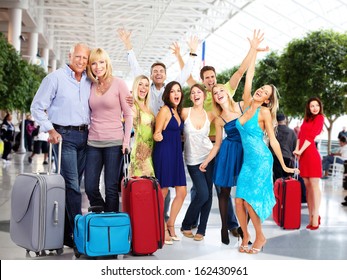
[(77, 254), (60, 251), (43, 253)]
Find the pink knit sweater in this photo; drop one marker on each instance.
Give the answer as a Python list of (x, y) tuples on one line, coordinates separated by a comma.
[(108, 111)]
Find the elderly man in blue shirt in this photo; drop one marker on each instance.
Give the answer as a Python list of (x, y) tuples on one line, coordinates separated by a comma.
[(61, 107)]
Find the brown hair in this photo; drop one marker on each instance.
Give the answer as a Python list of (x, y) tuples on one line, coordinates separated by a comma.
[(158, 64), (166, 96), (199, 86), (308, 114), (206, 68)]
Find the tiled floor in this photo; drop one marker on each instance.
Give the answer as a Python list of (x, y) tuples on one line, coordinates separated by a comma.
[(327, 243)]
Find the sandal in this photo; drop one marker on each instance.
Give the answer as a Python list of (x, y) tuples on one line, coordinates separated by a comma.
[(255, 250), (243, 248)]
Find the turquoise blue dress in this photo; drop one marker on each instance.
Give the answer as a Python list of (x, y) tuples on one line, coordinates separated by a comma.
[(255, 183), (229, 159)]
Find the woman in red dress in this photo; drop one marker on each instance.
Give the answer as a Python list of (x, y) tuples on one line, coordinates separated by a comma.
[(310, 162)]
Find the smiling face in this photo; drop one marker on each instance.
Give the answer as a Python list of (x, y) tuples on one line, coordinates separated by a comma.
[(142, 89), (158, 75), (263, 94), (314, 107), (197, 96), (209, 79), (175, 95), (99, 67), (220, 94), (78, 59)]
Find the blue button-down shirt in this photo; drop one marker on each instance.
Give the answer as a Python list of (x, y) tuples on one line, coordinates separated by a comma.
[(63, 98)]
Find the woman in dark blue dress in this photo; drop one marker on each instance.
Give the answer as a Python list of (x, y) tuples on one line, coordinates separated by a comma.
[(167, 155)]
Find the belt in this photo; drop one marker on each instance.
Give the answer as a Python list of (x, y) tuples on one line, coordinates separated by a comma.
[(82, 127)]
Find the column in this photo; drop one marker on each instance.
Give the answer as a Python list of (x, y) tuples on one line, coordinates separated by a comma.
[(45, 57), (33, 47), (15, 28), (53, 65)]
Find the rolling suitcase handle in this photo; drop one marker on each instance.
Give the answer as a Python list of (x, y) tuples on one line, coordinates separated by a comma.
[(296, 165), (59, 157), (126, 167)]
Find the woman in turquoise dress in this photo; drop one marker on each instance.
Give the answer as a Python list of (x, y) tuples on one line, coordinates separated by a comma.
[(141, 163), (254, 192), (228, 151)]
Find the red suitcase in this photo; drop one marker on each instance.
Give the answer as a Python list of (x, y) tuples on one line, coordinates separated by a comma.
[(287, 210), (143, 201)]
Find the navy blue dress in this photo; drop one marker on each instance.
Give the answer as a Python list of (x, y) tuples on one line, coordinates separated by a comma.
[(230, 156), (168, 157)]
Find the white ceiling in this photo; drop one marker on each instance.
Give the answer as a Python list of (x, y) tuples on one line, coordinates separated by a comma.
[(155, 24)]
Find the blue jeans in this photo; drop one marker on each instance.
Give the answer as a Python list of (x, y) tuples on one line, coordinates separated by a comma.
[(232, 220), (327, 160), (202, 201), (73, 161), (109, 158)]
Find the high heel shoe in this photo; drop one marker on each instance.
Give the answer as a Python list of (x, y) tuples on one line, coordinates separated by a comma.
[(225, 236), (309, 226), (173, 237), (243, 248), (168, 241), (255, 250), (240, 232), (316, 227)]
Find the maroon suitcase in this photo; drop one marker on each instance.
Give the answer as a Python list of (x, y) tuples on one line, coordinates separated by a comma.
[(287, 210), (143, 201)]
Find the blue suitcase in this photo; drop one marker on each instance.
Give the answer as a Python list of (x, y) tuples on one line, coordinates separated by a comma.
[(102, 234)]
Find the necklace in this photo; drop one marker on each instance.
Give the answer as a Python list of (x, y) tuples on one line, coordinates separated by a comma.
[(102, 87)]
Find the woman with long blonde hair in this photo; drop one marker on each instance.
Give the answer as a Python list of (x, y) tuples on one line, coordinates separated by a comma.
[(141, 163), (254, 191)]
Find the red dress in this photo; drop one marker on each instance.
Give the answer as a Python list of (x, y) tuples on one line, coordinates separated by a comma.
[(310, 163)]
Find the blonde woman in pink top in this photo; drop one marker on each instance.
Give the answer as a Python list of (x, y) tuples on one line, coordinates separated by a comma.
[(108, 136)]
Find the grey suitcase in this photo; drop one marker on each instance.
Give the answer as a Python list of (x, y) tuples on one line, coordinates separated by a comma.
[(38, 210)]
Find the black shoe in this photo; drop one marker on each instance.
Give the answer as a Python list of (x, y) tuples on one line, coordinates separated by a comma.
[(30, 159), (346, 198), (234, 232), (344, 203), (225, 236), (68, 241), (45, 162)]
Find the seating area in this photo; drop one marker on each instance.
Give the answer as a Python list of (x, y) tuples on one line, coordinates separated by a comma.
[(336, 170)]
